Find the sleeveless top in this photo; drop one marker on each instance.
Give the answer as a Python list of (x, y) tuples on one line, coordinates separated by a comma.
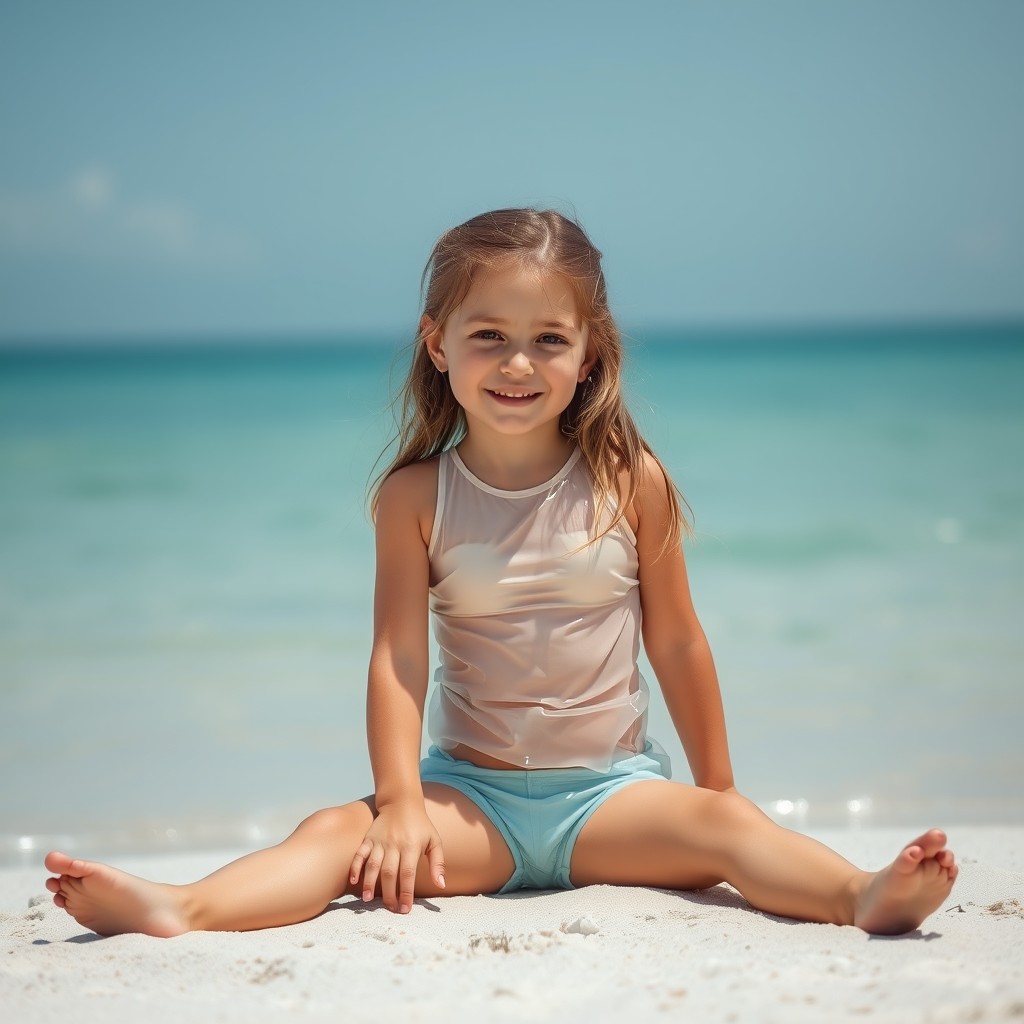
[(538, 630)]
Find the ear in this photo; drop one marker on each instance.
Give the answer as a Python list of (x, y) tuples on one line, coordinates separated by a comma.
[(433, 340), (589, 362)]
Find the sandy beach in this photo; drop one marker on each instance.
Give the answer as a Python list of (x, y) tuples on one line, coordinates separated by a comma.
[(592, 953)]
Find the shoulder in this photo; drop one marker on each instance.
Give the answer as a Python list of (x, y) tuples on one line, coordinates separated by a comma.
[(654, 484), (651, 498), (409, 495), (415, 481)]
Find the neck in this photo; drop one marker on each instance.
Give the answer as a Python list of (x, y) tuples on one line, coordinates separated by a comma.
[(514, 463)]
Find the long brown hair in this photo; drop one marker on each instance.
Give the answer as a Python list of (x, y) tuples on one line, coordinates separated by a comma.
[(430, 420)]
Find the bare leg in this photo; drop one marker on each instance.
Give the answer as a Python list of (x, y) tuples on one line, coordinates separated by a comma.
[(284, 884), (675, 836)]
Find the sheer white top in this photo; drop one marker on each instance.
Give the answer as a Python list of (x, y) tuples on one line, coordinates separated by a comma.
[(538, 630)]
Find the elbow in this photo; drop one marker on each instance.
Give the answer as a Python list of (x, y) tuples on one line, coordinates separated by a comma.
[(681, 648)]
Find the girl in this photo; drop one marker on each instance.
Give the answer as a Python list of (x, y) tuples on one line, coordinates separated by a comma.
[(524, 509)]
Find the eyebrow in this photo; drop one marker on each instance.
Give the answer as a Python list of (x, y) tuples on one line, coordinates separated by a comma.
[(483, 318)]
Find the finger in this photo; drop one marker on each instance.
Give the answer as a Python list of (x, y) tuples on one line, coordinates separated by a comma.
[(435, 858), (358, 860), (371, 872), (389, 879), (407, 879)]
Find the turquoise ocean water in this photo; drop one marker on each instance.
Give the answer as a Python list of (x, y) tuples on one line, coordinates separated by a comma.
[(186, 576)]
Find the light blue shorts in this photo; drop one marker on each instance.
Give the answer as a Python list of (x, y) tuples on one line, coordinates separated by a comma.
[(540, 812)]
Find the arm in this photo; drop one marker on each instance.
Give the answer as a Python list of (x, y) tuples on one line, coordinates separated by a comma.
[(401, 833), (674, 641)]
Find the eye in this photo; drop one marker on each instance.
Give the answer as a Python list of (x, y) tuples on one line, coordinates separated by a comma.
[(552, 339), (488, 335)]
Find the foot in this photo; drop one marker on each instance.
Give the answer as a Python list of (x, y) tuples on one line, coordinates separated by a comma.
[(110, 902), (898, 898)]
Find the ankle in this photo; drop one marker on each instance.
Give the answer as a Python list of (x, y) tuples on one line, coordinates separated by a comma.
[(852, 895), (190, 907)]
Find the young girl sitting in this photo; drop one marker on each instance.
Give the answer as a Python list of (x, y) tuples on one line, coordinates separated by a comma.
[(526, 512)]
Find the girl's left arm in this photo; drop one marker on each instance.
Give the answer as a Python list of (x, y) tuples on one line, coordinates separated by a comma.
[(674, 640)]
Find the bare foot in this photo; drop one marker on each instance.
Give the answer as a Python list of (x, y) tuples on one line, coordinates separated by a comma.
[(111, 902), (898, 898)]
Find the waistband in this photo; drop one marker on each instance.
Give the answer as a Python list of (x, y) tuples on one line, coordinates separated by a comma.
[(652, 758)]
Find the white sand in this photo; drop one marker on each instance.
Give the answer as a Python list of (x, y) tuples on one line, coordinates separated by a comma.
[(603, 954)]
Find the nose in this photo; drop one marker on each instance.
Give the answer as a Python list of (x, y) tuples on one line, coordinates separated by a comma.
[(517, 364)]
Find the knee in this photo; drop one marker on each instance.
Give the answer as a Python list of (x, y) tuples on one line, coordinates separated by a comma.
[(333, 823), (731, 811)]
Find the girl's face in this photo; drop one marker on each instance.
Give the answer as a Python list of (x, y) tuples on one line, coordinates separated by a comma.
[(514, 351)]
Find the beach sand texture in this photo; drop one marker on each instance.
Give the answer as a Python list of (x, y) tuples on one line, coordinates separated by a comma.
[(598, 954)]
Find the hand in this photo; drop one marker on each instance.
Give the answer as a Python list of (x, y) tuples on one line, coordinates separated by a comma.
[(400, 835), (719, 789)]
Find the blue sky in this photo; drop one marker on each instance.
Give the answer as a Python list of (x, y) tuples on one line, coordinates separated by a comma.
[(252, 167)]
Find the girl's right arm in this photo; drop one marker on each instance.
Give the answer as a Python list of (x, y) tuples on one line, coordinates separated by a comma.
[(401, 834)]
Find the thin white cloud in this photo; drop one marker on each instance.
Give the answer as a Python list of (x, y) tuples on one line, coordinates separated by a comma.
[(86, 217), (92, 187)]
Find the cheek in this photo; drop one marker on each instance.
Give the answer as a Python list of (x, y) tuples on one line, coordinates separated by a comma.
[(575, 369), (459, 389), (461, 380)]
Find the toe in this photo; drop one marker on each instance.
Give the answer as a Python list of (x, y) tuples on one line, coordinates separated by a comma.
[(910, 858), (57, 862), (61, 864)]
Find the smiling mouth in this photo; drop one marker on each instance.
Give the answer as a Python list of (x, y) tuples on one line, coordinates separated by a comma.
[(514, 395)]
